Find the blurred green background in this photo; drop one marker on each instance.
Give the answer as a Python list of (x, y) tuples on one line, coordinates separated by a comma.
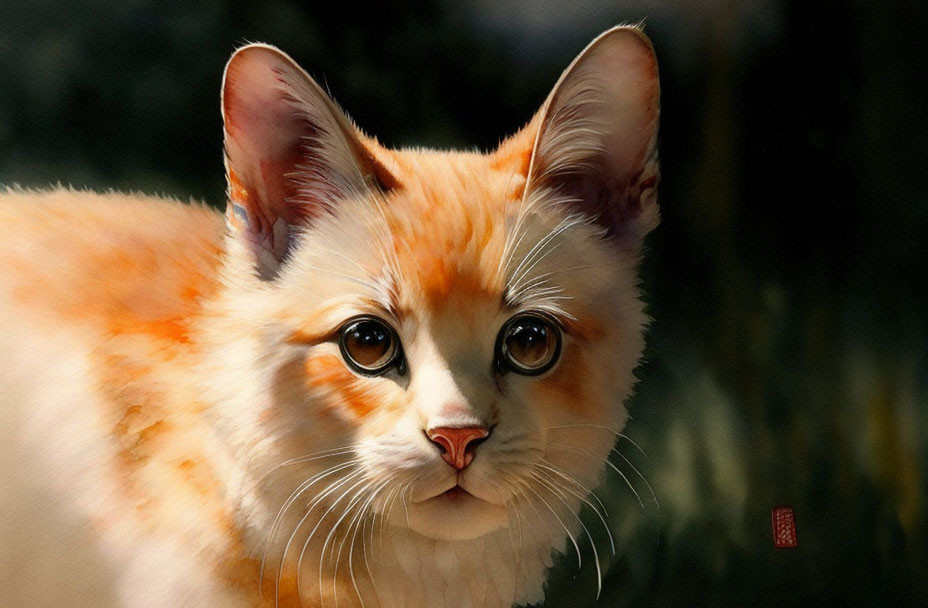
[(787, 364)]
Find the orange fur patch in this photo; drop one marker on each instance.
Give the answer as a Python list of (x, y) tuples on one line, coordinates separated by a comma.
[(172, 330), (237, 191), (328, 372), (516, 160), (307, 338), (123, 275), (585, 327), (287, 594)]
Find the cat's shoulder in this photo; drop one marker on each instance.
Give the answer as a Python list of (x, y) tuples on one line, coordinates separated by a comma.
[(82, 253), (87, 212)]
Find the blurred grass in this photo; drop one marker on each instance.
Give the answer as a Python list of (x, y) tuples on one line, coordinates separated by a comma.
[(787, 363)]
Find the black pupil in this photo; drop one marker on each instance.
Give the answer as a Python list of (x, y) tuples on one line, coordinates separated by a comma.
[(528, 343), (368, 342), (529, 336)]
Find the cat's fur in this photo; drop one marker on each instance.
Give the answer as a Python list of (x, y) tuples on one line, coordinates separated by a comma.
[(171, 376)]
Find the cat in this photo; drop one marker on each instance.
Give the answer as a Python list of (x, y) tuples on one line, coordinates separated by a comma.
[(381, 378)]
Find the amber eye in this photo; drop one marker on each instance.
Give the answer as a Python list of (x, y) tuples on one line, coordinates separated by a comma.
[(370, 346), (528, 344)]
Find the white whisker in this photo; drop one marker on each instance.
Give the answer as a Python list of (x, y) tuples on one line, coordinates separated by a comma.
[(405, 506), (331, 507), (360, 518), (582, 497), (637, 472), (385, 519), (309, 457), (294, 496), (638, 447), (333, 487), (345, 277), (554, 489), (607, 462), (563, 525), (355, 501), (538, 250)]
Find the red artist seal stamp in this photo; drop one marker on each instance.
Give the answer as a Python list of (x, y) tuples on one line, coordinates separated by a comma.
[(784, 527)]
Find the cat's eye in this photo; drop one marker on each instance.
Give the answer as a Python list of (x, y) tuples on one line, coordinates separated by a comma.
[(371, 347), (528, 344)]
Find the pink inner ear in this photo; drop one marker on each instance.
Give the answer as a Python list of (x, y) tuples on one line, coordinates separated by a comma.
[(290, 151), (630, 80), (597, 141), (263, 137)]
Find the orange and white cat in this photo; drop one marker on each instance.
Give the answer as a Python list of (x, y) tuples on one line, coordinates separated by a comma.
[(383, 378)]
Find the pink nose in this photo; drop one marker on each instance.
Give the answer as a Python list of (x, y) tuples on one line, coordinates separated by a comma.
[(458, 444)]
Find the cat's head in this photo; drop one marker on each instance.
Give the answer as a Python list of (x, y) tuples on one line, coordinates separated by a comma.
[(456, 331)]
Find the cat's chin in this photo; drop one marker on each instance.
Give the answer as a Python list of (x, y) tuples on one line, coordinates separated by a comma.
[(455, 515)]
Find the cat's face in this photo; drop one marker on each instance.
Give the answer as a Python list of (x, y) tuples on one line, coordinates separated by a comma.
[(426, 287), (457, 332)]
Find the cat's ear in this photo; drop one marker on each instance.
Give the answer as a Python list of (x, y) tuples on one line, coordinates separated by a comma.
[(595, 146), (291, 154)]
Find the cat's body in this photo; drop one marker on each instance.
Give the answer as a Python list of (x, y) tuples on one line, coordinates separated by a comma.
[(194, 411)]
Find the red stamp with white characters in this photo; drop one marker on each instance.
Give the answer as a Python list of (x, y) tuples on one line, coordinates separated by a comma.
[(784, 527)]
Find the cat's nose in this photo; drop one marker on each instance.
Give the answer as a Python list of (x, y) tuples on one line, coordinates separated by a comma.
[(457, 444)]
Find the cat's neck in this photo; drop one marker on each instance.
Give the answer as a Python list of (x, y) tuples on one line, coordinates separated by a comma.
[(402, 568)]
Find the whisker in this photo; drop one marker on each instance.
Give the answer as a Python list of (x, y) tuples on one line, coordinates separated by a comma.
[(618, 434), (354, 502), (364, 548), (563, 525), (345, 277), (604, 460), (352, 532), (550, 466), (637, 472), (521, 494), (503, 259), (552, 487), (550, 294), (527, 258), (331, 252), (546, 275), (375, 517), (364, 503), (314, 456), (577, 426), (359, 518), (583, 498), (331, 507), (386, 518), (512, 245), (294, 496), (333, 487), (405, 506), (385, 514), (517, 553), (537, 253), (516, 281), (638, 447)]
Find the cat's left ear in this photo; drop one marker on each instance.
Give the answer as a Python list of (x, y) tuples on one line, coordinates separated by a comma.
[(291, 153), (595, 147)]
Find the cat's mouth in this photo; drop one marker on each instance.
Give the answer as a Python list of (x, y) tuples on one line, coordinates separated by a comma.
[(456, 493), (455, 513)]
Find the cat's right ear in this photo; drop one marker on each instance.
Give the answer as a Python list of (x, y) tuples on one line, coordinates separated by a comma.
[(291, 153), (595, 139)]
